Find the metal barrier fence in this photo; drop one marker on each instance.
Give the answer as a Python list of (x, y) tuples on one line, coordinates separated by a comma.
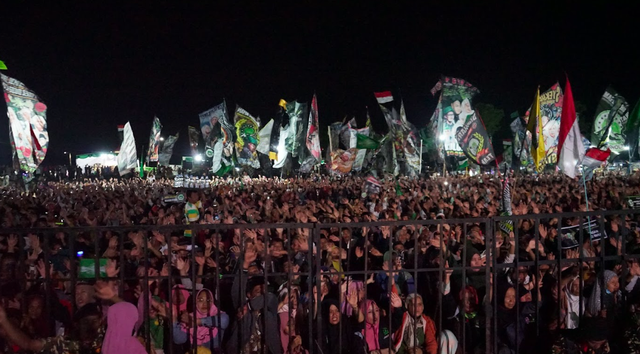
[(265, 271)]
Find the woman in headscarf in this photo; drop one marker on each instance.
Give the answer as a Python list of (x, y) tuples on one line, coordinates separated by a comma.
[(605, 301), (119, 338), (376, 332), (336, 326), (507, 317), (604, 298), (209, 326)]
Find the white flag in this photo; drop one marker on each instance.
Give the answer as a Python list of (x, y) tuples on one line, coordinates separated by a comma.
[(128, 156)]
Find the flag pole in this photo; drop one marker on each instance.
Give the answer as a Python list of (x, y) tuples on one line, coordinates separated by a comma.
[(586, 199), (420, 157)]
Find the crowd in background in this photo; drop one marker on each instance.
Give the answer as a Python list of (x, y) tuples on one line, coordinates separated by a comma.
[(389, 288)]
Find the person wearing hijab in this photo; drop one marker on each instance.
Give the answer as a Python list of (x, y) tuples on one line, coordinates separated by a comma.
[(604, 298), (119, 338), (337, 326), (210, 323)]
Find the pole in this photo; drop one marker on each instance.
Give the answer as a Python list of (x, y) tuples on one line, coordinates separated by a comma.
[(420, 157), (586, 199)]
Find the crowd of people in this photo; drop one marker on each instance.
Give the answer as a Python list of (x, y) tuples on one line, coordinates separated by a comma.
[(267, 282)]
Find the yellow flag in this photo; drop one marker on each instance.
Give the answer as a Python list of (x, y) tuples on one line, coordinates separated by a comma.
[(283, 104), (535, 127)]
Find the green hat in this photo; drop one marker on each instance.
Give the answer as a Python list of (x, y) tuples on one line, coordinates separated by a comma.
[(446, 110)]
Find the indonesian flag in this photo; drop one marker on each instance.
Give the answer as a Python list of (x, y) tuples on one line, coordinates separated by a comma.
[(383, 97), (593, 159), (570, 146)]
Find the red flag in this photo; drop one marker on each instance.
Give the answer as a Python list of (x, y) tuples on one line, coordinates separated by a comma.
[(570, 148)]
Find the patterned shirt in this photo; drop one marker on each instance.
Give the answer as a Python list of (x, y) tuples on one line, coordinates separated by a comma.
[(61, 345)]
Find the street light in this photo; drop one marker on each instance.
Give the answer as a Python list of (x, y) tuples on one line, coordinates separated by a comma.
[(198, 158), (161, 138)]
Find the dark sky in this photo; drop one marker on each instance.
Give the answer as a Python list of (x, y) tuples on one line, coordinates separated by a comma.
[(99, 66)]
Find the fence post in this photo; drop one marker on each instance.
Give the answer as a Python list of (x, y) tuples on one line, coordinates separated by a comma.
[(490, 271)]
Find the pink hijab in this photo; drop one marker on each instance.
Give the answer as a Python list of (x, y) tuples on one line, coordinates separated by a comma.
[(119, 338), (371, 332), (204, 334)]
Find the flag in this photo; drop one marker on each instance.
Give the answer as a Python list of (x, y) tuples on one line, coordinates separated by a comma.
[(313, 130), (27, 124), (167, 150), (410, 145), (534, 126), (154, 140), (361, 153), (550, 112), (127, 156), (211, 122), (383, 97), (372, 185), (506, 226), (296, 136), (3, 66), (474, 141), (633, 128), (346, 132), (193, 140), (594, 158), (264, 138), (365, 142), (334, 135), (342, 160), (610, 122), (570, 149), (121, 132), (281, 152), (274, 141), (247, 138)]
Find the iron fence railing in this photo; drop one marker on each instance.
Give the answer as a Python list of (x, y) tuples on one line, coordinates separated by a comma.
[(438, 259)]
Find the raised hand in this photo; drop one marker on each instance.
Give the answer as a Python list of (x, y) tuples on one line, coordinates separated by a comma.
[(111, 268), (396, 302)]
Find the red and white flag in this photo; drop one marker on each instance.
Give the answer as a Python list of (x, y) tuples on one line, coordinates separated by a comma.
[(570, 148), (383, 97), (593, 159)]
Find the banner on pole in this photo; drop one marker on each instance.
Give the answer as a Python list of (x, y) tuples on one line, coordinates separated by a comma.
[(27, 123), (154, 140), (247, 138), (128, 155)]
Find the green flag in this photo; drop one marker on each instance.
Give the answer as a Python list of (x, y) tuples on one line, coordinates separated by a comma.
[(3, 66), (365, 142), (224, 169)]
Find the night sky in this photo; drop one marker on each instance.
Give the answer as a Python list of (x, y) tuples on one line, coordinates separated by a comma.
[(99, 66)]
